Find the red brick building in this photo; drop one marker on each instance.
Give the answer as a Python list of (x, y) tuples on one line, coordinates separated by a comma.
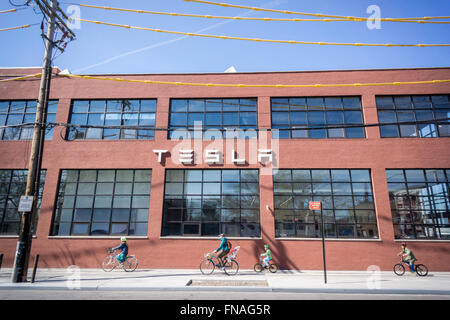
[(379, 185)]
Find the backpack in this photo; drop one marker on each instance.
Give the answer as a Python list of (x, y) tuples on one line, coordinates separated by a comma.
[(229, 244)]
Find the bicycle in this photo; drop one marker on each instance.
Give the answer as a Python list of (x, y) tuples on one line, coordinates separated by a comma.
[(211, 262), (110, 262), (420, 269), (273, 267)]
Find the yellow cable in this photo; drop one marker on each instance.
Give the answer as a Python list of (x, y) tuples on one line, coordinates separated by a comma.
[(267, 40), (7, 11), (320, 15), (21, 78), (256, 85), (173, 14), (13, 28)]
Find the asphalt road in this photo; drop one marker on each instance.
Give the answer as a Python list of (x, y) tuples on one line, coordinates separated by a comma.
[(21, 294)]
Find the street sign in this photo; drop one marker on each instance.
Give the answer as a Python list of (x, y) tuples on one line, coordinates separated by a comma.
[(25, 203), (315, 205)]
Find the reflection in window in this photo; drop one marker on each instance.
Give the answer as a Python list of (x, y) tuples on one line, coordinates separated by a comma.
[(139, 113), (102, 202), (413, 110), (347, 202), (420, 203), (23, 111), (12, 187), (297, 117), (210, 202), (218, 118)]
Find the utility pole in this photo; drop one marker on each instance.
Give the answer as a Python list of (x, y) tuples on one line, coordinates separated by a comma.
[(23, 249)]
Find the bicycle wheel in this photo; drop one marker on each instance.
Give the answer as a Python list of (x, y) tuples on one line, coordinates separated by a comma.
[(399, 269), (109, 263), (130, 264), (258, 267), (207, 266), (273, 268), (231, 268), (421, 270)]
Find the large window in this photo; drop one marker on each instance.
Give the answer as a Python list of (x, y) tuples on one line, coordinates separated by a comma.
[(216, 117), (102, 202), (347, 202), (297, 117), (209, 202), (420, 112), (16, 112), (139, 113), (12, 187), (420, 203)]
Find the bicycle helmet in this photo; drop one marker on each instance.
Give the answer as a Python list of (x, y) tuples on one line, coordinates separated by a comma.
[(267, 245), (123, 239)]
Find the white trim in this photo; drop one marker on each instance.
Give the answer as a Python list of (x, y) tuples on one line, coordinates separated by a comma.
[(421, 240)]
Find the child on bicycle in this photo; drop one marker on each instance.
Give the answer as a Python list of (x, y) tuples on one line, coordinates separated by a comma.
[(267, 255), (224, 247), (408, 256), (124, 247)]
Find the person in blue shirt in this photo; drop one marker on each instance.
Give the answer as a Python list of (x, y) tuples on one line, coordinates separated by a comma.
[(124, 247), (224, 247)]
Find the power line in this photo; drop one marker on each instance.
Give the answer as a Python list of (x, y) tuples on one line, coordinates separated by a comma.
[(443, 121), (265, 40), (174, 14), (320, 15)]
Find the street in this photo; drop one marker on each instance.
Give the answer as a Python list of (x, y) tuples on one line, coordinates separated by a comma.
[(28, 294)]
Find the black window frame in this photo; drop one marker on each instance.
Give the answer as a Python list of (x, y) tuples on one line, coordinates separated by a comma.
[(25, 114), (291, 205), (10, 197), (221, 214), (415, 207), (294, 106), (104, 133), (62, 226), (238, 106), (411, 111)]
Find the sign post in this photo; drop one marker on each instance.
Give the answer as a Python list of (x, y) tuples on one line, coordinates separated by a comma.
[(317, 205)]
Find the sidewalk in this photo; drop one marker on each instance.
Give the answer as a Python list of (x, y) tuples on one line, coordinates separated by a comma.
[(437, 283)]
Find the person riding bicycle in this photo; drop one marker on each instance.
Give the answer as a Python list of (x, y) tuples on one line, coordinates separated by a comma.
[(408, 256), (124, 247), (224, 247), (267, 255)]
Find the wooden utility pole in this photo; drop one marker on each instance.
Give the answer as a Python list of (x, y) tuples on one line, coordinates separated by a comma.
[(21, 259)]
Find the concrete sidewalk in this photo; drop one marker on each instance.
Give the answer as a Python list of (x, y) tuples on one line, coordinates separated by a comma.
[(436, 283)]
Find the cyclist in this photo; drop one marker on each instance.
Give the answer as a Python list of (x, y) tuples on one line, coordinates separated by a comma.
[(267, 255), (124, 247), (224, 247), (408, 256)]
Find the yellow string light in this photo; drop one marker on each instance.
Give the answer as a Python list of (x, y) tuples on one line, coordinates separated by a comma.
[(7, 11), (178, 83), (13, 28), (266, 40), (173, 14), (319, 15)]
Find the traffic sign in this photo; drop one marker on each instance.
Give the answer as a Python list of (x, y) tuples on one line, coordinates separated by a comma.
[(25, 204), (315, 205)]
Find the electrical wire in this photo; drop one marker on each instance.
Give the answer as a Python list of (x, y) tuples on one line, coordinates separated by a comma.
[(174, 14), (443, 121), (265, 40), (320, 15)]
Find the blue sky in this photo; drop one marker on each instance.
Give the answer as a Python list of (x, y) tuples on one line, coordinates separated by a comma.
[(102, 49)]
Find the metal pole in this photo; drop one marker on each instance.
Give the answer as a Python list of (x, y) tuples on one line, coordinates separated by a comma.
[(20, 267), (323, 246), (36, 260)]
